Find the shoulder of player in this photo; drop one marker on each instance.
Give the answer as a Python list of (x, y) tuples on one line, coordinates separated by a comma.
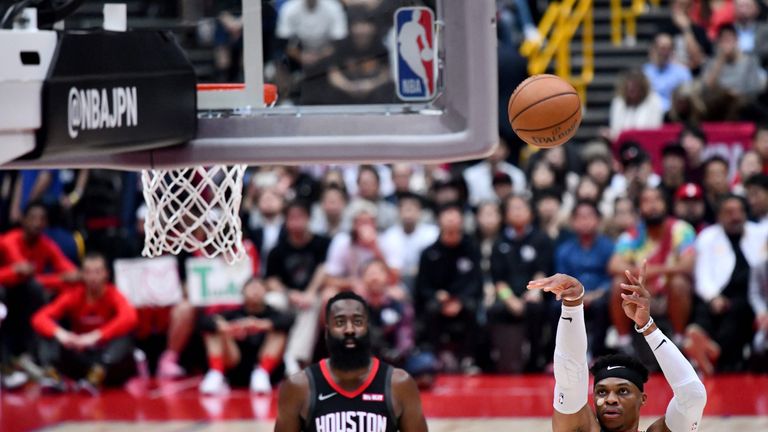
[(295, 387), (402, 383)]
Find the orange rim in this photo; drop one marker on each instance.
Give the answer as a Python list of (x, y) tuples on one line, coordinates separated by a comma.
[(270, 90)]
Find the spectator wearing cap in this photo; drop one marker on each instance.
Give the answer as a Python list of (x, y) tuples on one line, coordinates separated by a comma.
[(586, 257), (637, 170), (662, 71), (666, 244), (716, 185), (749, 165), (693, 140), (479, 177), (725, 252), (635, 106), (673, 159), (689, 205), (521, 254), (757, 196)]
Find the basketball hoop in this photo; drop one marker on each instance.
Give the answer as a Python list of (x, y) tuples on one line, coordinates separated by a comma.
[(197, 208)]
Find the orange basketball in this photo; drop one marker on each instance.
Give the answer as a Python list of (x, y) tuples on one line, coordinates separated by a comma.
[(545, 111)]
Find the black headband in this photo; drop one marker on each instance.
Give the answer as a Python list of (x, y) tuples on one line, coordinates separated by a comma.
[(623, 372)]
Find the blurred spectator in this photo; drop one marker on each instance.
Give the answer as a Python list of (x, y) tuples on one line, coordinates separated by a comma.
[(349, 252), (488, 215), (758, 299), (734, 71), (42, 186), (598, 169), (368, 189), (479, 177), (624, 217), (407, 178), (99, 210), (328, 215), (265, 224), (716, 185), (724, 254), (757, 196), (664, 74), (244, 344), (502, 186), (692, 46), (549, 217), (688, 105), (309, 28), (667, 245), (689, 205), (360, 72), (521, 254), (542, 175), (635, 106), (673, 159), (586, 258), (637, 170), (694, 141), (228, 40), (749, 164), (351, 176), (711, 14), (448, 293), (746, 14), (391, 319), (412, 235), (295, 268), (760, 143), (96, 348), (51, 268), (589, 190)]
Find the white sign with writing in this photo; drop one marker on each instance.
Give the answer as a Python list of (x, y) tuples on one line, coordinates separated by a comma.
[(211, 281), (149, 281)]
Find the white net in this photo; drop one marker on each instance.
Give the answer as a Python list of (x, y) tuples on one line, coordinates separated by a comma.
[(194, 209)]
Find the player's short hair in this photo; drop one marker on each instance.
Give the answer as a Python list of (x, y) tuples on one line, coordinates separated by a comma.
[(344, 295), (620, 366)]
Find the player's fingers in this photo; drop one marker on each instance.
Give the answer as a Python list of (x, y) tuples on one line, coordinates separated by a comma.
[(632, 288), (631, 298), (630, 277), (643, 271)]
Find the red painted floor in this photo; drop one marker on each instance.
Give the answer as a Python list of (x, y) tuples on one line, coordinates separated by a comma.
[(452, 396)]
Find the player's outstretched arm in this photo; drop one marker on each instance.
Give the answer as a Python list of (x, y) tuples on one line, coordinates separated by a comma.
[(687, 406), (572, 412), (292, 403), (407, 403)]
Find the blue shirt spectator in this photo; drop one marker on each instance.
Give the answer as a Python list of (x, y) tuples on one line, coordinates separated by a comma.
[(665, 75), (586, 262)]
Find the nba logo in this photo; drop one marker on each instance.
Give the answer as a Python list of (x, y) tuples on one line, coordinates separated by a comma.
[(416, 63)]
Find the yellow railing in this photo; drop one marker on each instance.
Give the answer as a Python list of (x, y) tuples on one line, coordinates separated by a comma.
[(557, 28), (627, 16)]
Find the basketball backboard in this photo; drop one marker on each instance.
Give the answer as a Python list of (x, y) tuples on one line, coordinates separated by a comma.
[(457, 119)]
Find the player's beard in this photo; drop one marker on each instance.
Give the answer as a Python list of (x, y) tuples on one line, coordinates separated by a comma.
[(347, 359)]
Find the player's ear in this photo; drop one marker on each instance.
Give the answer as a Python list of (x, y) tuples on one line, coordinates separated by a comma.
[(643, 399)]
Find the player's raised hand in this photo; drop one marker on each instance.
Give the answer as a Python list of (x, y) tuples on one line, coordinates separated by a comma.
[(636, 299), (564, 287)]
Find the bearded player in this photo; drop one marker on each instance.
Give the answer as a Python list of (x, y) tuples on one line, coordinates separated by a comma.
[(352, 390), (619, 379)]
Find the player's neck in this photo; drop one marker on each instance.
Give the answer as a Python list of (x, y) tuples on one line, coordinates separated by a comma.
[(350, 379)]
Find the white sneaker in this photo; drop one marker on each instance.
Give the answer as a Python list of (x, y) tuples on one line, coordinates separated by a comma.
[(214, 383), (14, 380), (260, 381)]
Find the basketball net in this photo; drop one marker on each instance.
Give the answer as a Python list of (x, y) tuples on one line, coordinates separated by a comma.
[(194, 209), (197, 209)]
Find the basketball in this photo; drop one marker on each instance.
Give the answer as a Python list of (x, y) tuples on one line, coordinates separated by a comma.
[(545, 111)]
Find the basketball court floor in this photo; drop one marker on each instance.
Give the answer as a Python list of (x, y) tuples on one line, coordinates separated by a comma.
[(456, 403)]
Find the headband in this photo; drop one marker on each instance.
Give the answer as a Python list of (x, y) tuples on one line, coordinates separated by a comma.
[(622, 372)]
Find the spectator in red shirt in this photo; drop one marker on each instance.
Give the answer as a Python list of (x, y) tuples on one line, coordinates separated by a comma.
[(96, 348), (33, 246)]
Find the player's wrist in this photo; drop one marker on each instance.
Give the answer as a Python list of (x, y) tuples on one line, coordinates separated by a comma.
[(644, 325)]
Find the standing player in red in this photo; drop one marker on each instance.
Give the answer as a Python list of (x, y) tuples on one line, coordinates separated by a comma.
[(351, 390), (619, 379)]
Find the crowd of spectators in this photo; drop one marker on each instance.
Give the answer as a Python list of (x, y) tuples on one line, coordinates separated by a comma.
[(442, 253)]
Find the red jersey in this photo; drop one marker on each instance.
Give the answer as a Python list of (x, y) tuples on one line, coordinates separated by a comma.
[(8, 258), (43, 254), (111, 313)]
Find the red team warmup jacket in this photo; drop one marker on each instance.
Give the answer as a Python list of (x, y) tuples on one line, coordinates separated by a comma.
[(112, 314), (45, 255)]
